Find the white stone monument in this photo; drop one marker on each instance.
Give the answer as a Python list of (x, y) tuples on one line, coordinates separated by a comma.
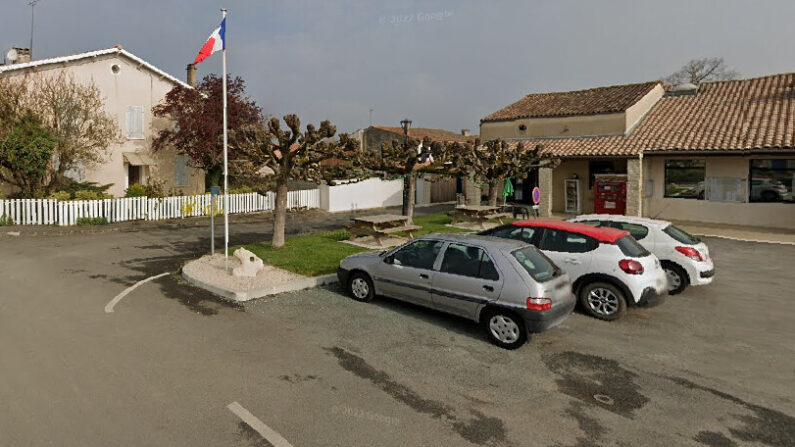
[(250, 264)]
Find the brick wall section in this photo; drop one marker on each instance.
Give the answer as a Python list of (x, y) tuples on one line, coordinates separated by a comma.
[(634, 187), (545, 183)]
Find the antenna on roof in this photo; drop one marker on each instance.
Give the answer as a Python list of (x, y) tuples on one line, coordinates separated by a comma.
[(32, 4)]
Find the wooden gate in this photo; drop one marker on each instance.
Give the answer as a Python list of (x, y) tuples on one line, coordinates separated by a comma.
[(443, 190)]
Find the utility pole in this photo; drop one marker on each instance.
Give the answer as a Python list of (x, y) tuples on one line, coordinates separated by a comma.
[(32, 4), (371, 117)]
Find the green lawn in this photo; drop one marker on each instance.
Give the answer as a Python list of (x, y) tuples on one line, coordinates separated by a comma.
[(320, 254), (310, 255)]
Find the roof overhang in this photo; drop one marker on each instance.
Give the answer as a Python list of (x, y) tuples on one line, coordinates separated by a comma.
[(93, 55)]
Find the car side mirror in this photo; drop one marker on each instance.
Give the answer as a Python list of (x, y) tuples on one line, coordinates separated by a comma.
[(390, 259)]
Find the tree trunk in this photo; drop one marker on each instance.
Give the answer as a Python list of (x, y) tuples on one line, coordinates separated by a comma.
[(279, 215), (494, 192), (409, 194)]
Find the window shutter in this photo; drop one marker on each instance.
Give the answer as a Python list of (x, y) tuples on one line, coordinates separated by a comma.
[(130, 125), (135, 122), (180, 170)]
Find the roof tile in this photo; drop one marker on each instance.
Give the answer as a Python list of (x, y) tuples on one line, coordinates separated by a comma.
[(616, 98), (749, 114)]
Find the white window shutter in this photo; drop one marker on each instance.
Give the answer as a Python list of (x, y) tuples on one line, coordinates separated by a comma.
[(135, 122), (130, 125)]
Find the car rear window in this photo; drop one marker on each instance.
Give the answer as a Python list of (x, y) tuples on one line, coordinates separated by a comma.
[(632, 248), (637, 231), (536, 264), (681, 235)]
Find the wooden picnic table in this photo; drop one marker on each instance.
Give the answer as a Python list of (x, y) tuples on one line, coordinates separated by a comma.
[(381, 226), (477, 213)]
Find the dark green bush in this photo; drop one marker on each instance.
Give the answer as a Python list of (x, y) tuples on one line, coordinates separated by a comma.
[(136, 190), (60, 195), (73, 187), (6, 221)]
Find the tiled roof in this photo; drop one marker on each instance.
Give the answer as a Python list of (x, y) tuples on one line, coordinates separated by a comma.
[(598, 100), (750, 114), (433, 134), (73, 57)]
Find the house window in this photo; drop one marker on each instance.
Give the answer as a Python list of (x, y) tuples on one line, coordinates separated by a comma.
[(772, 180), (135, 122), (181, 170), (684, 179)]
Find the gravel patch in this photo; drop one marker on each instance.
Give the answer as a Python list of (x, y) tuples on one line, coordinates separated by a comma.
[(210, 269)]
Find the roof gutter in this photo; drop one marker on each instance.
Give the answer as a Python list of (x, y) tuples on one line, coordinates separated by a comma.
[(742, 152)]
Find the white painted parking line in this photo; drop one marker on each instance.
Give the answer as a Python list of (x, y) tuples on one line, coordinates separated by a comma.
[(117, 298), (761, 241), (268, 433)]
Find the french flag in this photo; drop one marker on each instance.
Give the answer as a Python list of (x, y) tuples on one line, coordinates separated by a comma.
[(216, 42)]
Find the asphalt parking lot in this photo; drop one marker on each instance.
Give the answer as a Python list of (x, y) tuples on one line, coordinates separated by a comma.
[(714, 366)]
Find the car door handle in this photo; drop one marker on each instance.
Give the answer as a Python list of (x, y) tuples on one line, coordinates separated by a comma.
[(424, 276), (489, 288), (572, 261)]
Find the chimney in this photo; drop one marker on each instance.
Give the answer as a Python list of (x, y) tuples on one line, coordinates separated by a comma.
[(686, 89), (191, 75), (22, 55), (465, 132)]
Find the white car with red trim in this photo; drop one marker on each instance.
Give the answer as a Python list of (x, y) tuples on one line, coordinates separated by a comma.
[(684, 257), (609, 268)]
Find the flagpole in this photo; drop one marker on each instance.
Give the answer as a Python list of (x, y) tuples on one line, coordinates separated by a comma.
[(226, 172)]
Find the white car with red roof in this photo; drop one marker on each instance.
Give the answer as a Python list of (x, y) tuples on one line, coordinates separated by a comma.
[(684, 257), (609, 269)]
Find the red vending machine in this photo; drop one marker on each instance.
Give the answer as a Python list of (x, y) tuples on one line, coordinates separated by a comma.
[(610, 191)]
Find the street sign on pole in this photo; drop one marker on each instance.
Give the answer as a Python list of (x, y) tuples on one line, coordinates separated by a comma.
[(536, 195)]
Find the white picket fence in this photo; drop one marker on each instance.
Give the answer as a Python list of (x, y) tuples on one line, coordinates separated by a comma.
[(54, 212)]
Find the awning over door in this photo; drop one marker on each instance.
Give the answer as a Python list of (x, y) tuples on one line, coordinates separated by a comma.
[(138, 159)]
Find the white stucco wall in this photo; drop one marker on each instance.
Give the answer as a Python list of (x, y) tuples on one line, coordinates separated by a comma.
[(370, 193), (131, 85)]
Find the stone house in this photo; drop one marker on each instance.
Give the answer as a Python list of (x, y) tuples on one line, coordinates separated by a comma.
[(722, 152), (131, 87)]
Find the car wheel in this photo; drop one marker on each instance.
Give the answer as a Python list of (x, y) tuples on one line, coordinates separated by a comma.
[(603, 301), (504, 328), (360, 286), (677, 278)]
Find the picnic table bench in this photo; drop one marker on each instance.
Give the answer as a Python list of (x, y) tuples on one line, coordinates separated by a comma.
[(477, 213), (381, 226)]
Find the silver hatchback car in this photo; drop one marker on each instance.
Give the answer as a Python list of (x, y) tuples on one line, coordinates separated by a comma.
[(508, 286)]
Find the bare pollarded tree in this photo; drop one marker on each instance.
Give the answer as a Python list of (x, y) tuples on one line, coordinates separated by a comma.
[(706, 69), (294, 154)]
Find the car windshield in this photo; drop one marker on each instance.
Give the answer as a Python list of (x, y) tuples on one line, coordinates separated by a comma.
[(536, 264), (681, 235), (630, 247)]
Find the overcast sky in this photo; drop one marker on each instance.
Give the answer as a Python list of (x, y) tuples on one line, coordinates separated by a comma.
[(440, 63)]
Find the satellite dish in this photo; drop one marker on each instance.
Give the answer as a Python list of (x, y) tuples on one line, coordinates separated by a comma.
[(12, 55)]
